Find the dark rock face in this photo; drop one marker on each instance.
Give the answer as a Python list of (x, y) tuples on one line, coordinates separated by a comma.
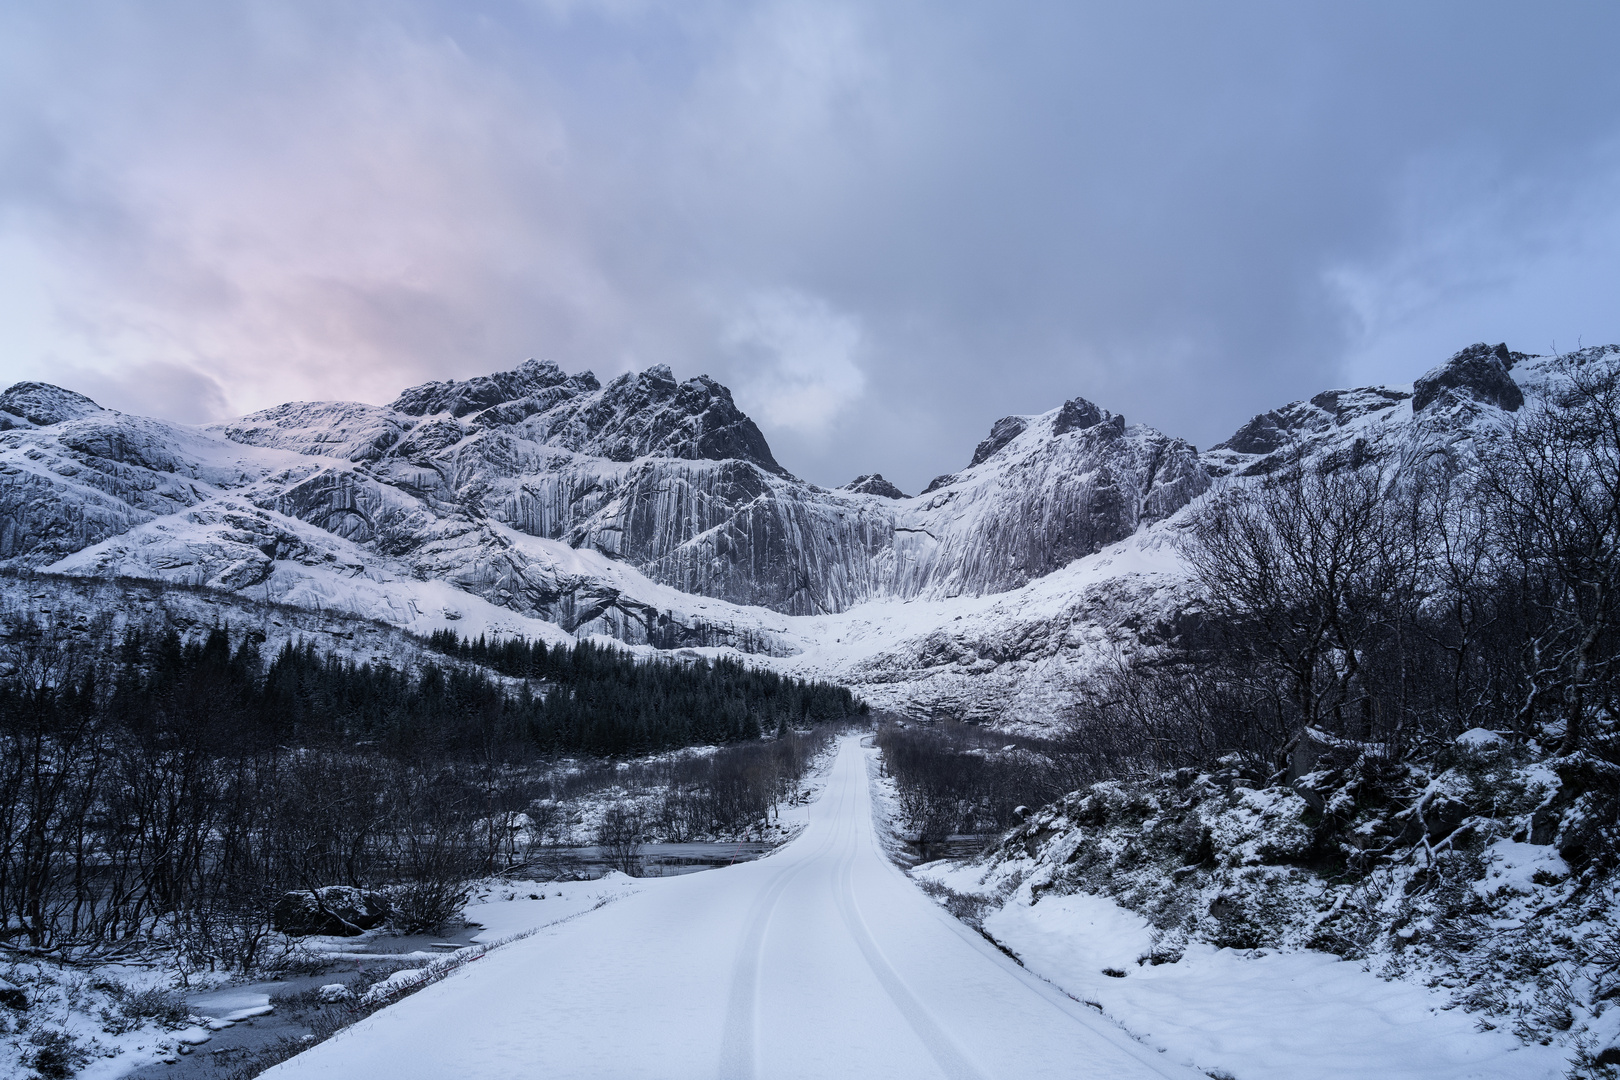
[(43, 404), (1279, 436), (942, 480), (636, 415), (874, 484), (1262, 435), (1003, 432), (649, 415), (1347, 405), (1479, 372), (1078, 414), (336, 910)]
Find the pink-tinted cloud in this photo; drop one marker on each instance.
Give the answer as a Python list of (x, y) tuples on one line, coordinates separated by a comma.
[(1188, 212)]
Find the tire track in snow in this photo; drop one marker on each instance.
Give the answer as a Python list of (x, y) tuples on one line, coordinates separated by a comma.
[(946, 1054), (737, 1057), (739, 1038), (1059, 1000)]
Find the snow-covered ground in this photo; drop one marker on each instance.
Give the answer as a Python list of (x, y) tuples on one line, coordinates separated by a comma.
[(821, 960), (824, 960), (1250, 1014), (505, 909)]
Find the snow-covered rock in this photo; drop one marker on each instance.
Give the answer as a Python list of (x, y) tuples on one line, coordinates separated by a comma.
[(334, 994)]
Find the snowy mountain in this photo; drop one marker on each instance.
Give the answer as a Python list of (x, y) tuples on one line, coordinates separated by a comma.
[(650, 510)]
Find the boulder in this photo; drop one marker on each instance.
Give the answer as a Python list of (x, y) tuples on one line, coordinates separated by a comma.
[(1443, 815), (336, 910), (1480, 740)]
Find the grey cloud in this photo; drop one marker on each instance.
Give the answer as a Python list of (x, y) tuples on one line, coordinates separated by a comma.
[(1186, 212)]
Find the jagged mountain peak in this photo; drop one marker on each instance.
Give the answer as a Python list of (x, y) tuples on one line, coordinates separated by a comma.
[(874, 484), (1476, 384), (1273, 439), (531, 378), (1479, 372), (637, 414), (648, 413), (1076, 414), (42, 404)]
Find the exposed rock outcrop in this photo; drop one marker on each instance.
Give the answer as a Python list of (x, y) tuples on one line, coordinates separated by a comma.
[(1078, 414), (874, 484), (42, 404), (1479, 372), (1002, 432)]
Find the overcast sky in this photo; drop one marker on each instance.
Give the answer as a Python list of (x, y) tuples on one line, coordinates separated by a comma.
[(884, 225)]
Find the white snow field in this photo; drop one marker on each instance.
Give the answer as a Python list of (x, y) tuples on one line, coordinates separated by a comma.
[(821, 960)]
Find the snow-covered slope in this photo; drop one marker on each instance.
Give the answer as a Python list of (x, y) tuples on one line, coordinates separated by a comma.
[(654, 512), (609, 508)]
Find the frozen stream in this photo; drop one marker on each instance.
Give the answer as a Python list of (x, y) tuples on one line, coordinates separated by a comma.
[(654, 860), (820, 960)]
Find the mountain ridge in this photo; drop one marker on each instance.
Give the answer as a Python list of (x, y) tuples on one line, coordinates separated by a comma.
[(652, 511)]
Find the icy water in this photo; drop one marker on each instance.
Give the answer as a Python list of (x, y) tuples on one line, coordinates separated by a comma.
[(657, 860)]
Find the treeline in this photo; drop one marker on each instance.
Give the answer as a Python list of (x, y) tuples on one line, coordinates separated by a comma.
[(584, 699), (954, 779), (605, 701), (154, 788)]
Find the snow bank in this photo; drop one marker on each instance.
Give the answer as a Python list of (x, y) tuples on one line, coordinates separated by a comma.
[(1258, 1015)]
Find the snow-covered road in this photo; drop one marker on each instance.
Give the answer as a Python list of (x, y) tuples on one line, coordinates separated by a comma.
[(822, 960)]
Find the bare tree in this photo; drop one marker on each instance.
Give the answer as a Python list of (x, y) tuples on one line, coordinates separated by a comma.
[(619, 835), (1554, 483), (1308, 564)]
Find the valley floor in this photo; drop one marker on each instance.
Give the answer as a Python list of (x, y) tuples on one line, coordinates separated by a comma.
[(824, 960), (821, 960)]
